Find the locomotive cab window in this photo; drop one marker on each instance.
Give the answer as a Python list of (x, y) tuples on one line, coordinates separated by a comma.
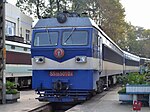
[(75, 38), (46, 39)]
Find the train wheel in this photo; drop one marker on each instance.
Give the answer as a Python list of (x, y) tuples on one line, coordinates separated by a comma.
[(100, 86)]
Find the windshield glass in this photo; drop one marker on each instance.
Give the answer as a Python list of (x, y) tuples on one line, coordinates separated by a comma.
[(46, 39), (75, 38)]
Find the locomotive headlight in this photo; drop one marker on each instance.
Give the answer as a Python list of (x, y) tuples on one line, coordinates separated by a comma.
[(81, 59), (61, 17), (39, 59)]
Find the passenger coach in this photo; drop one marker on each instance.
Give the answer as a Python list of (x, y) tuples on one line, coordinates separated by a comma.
[(132, 63)]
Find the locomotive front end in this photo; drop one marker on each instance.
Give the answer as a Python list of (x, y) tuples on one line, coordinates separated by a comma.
[(62, 61)]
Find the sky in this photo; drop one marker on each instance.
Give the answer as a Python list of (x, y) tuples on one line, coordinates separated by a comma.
[(137, 12)]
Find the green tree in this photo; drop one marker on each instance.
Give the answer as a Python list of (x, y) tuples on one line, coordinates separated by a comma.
[(109, 14), (137, 40), (32, 7), (41, 8)]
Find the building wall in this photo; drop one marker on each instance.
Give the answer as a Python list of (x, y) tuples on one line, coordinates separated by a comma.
[(22, 22)]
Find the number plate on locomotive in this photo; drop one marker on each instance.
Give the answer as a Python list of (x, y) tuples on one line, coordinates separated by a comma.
[(61, 73)]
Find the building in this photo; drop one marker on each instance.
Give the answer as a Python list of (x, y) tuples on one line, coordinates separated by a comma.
[(18, 25), (18, 29)]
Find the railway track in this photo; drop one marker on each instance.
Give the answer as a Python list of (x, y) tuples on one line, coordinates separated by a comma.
[(54, 107), (44, 108), (59, 107)]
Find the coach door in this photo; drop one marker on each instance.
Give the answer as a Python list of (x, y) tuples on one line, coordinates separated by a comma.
[(97, 48), (100, 53)]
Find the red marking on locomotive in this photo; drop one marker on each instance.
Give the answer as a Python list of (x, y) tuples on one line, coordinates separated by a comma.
[(59, 53), (61, 73)]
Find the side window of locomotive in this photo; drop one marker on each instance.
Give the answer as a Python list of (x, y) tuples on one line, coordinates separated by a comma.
[(95, 44), (75, 38), (95, 38), (46, 39)]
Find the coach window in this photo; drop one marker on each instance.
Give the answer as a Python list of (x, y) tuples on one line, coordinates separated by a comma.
[(46, 39), (75, 38)]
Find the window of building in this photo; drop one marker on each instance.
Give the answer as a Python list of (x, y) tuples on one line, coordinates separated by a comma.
[(27, 35), (10, 28), (12, 47), (21, 32), (25, 49)]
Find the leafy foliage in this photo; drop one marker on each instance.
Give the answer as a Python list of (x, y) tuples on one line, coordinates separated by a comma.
[(148, 77), (133, 78), (10, 88), (136, 78), (32, 7), (123, 90), (11, 91), (137, 41)]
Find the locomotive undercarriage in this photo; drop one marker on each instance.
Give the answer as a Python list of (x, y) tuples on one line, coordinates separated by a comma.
[(100, 85), (104, 83), (64, 95)]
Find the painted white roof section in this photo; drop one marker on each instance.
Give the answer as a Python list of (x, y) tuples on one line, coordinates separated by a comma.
[(71, 22), (131, 56), (145, 59)]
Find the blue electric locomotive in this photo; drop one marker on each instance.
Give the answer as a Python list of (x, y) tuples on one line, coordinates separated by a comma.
[(72, 58)]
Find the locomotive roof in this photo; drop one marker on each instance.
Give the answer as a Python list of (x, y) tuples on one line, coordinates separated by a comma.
[(131, 56), (71, 22), (145, 59)]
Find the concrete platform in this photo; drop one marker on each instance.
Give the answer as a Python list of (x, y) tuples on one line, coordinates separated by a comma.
[(27, 102), (105, 102)]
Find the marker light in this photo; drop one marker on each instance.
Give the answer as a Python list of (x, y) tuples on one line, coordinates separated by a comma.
[(81, 59), (39, 59)]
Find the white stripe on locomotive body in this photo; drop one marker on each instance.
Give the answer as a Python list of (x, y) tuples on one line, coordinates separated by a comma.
[(110, 68), (91, 64), (129, 69)]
